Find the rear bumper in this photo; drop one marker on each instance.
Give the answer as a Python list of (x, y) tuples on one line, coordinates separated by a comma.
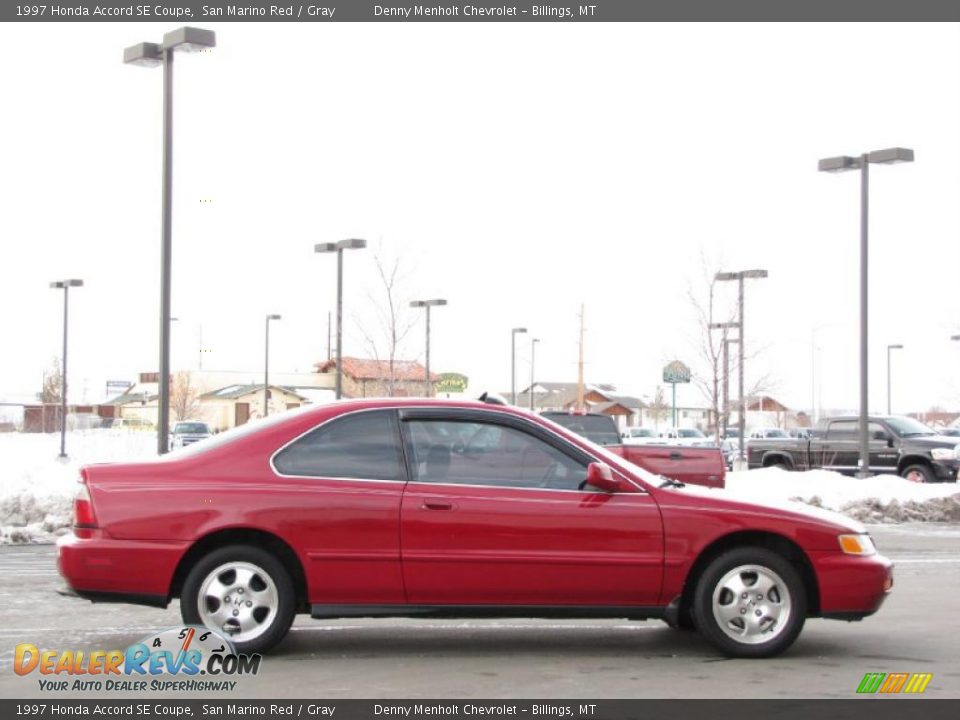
[(103, 569), (851, 586)]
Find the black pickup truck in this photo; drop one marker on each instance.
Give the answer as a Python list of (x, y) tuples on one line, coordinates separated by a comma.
[(898, 445)]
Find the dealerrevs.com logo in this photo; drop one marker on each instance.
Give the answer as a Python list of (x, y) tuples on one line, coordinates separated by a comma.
[(171, 660), (894, 683)]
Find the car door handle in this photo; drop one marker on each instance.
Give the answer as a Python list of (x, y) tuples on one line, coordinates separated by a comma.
[(676, 456), (436, 505)]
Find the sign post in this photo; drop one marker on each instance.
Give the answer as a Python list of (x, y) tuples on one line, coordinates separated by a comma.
[(673, 373)]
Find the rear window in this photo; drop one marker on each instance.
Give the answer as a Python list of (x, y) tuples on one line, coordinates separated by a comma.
[(361, 446), (596, 428)]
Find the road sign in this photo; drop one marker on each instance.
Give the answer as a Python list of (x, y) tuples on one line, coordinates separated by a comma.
[(676, 372)]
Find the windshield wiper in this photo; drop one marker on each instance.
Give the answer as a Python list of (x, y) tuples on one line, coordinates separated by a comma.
[(670, 482)]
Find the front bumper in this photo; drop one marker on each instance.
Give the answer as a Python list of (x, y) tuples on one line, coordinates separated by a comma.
[(851, 586), (946, 470)]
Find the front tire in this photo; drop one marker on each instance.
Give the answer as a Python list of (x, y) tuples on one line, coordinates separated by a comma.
[(750, 603), (918, 473), (242, 592)]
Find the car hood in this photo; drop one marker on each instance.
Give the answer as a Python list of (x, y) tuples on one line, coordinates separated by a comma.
[(933, 441), (731, 500)]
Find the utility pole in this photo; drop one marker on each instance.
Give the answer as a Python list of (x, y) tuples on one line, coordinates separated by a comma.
[(580, 402)]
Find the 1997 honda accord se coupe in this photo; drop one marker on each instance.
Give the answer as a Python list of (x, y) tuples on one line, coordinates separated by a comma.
[(412, 508)]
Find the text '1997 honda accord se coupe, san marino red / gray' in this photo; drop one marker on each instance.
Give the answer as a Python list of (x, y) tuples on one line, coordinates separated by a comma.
[(417, 508)]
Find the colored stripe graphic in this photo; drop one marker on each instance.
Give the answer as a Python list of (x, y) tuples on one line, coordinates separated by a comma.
[(894, 682), (871, 682), (918, 682)]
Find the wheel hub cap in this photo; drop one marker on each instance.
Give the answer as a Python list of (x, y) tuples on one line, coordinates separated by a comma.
[(238, 599), (751, 604)]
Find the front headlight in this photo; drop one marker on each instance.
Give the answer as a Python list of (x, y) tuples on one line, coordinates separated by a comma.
[(944, 453), (857, 544)]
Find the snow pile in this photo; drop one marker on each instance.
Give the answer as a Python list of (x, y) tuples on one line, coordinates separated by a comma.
[(880, 499), (37, 488)]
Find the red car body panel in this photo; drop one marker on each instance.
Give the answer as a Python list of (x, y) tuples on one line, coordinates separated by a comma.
[(394, 543)]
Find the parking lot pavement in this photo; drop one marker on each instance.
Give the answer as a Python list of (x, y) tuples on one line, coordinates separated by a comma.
[(915, 631)]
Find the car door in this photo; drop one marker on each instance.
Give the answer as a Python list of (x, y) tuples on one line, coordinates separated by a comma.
[(840, 446), (494, 513), (345, 480)]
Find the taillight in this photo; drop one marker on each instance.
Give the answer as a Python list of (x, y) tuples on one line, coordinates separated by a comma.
[(83, 515)]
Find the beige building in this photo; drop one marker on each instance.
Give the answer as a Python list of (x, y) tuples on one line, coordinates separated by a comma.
[(377, 378)]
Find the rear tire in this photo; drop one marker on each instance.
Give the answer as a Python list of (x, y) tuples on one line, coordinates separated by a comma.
[(750, 603), (243, 593), (918, 473)]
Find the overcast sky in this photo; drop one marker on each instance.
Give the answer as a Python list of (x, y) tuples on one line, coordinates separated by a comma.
[(516, 169)]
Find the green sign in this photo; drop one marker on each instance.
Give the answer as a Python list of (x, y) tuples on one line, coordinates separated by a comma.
[(452, 383), (676, 372)]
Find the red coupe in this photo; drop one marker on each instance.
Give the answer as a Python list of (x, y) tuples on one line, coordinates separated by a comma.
[(413, 508)]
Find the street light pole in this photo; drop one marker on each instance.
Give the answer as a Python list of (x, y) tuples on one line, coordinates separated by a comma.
[(151, 54), (427, 304), (513, 364), (266, 365), (889, 348), (862, 163), (726, 371), (740, 277), (338, 248), (64, 285), (533, 354)]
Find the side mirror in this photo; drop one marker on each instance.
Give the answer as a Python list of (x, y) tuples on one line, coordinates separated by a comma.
[(600, 476), (880, 435)]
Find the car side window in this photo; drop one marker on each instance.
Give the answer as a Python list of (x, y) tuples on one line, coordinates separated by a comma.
[(842, 430), (478, 453), (360, 446)]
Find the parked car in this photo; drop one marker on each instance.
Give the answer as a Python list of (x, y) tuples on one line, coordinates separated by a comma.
[(688, 437), (188, 432), (640, 436), (697, 465), (949, 432), (898, 445), (763, 433), (731, 451), (415, 507)]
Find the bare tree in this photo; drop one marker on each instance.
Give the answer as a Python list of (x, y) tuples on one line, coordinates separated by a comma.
[(708, 371), (52, 383), (394, 321), (184, 397), (658, 409)]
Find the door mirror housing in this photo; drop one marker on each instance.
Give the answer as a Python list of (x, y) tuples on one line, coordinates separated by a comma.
[(600, 476)]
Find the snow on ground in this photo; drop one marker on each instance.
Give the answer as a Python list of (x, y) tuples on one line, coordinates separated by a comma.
[(880, 499), (36, 488)]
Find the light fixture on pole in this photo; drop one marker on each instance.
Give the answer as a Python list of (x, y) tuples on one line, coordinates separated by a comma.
[(889, 348), (338, 248), (513, 363), (742, 404), (428, 304), (533, 355), (266, 365), (862, 163), (186, 39), (64, 285)]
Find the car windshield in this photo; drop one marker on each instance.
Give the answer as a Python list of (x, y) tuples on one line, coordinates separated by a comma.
[(191, 428), (686, 433), (774, 434), (641, 432), (908, 427)]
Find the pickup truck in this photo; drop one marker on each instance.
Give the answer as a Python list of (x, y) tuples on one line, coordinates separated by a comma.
[(695, 465), (898, 445)]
